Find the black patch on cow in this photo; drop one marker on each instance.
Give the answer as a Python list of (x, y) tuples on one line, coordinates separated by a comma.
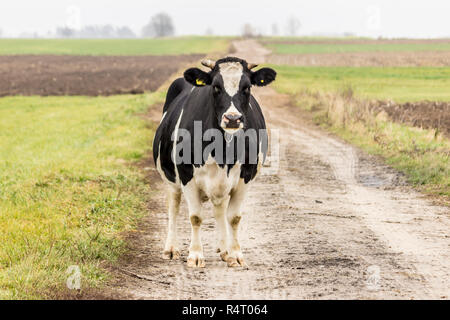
[(201, 103), (174, 90), (231, 59), (263, 77), (197, 77)]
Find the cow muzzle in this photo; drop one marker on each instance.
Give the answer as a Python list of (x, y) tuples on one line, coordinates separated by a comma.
[(232, 120)]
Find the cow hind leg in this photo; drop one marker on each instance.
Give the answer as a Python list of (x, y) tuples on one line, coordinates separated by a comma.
[(171, 248), (235, 257), (193, 198)]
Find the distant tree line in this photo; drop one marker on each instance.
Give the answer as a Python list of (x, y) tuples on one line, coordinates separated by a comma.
[(292, 27), (96, 31), (160, 25)]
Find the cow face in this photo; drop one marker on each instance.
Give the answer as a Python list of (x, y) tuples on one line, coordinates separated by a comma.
[(229, 84)]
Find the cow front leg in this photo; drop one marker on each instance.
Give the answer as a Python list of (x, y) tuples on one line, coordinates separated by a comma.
[(220, 211), (171, 248), (235, 257), (192, 194)]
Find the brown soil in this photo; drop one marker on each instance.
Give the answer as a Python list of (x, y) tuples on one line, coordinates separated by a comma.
[(86, 75), (365, 59), (325, 224), (424, 114)]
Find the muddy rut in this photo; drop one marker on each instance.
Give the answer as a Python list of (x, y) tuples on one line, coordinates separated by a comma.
[(326, 221)]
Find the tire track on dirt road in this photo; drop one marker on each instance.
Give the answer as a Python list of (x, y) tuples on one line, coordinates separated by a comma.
[(329, 222)]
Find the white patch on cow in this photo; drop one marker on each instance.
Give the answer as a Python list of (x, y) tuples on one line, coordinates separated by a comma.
[(231, 73), (209, 181), (162, 118), (231, 109), (234, 253), (174, 150), (215, 182), (171, 247), (159, 168), (194, 202)]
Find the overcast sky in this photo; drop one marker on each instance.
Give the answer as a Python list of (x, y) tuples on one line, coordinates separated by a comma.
[(387, 18)]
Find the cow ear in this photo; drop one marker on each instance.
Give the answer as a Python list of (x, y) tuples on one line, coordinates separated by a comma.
[(263, 77), (197, 77)]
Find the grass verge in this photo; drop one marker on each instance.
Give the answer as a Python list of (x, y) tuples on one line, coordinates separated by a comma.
[(68, 187), (423, 155), (400, 84), (130, 47)]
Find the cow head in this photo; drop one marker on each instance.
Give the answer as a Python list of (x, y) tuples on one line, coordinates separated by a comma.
[(229, 83)]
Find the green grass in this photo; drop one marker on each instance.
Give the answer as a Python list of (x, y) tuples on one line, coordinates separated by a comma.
[(284, 48), (166, 46), (68, 187), (401, 84), (420, 154)]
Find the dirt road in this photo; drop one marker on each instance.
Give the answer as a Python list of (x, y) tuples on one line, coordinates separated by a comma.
[(331, 222)]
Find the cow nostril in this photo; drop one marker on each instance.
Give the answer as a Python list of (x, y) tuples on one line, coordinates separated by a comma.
[(233, 116)]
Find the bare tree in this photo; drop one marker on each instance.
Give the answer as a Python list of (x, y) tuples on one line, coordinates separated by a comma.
[(160, 25), (107, 31), (293, 26), (96, 32), (275, 31), (125, 32), (248, 31), (89, 32), (65, 32), (209, 31)]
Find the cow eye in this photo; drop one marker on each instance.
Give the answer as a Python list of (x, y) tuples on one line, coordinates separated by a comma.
[(217, 89)]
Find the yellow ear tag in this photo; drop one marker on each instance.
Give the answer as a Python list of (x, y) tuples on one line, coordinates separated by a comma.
[(262, 81), (200, 82)]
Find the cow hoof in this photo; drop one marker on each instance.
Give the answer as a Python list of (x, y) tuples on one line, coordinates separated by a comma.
[(171, 254), (242, 263), (236, 262), (196, 260), (232, 262), (223, 254)]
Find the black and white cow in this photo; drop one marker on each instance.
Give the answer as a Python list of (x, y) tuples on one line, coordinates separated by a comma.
[(218, 101)]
